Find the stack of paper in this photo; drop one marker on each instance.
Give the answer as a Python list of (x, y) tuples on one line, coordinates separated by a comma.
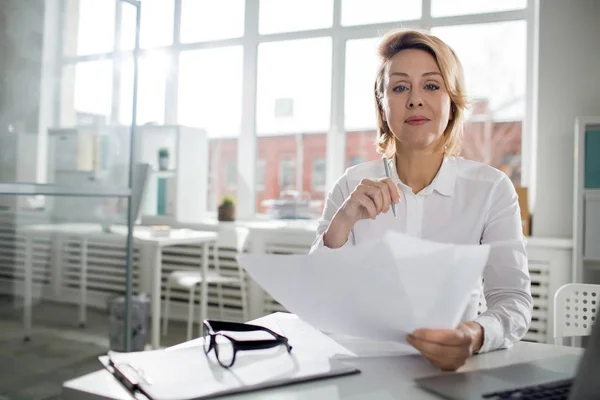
[(379, 290)]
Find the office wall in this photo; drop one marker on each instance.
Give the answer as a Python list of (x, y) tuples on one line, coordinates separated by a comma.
[(568, 86), (21, 34)]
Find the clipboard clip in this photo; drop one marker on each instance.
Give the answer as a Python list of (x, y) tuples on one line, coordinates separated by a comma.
[(129, 375)]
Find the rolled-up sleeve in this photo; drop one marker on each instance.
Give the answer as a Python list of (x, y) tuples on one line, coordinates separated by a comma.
[(506, 281), (335, 199)]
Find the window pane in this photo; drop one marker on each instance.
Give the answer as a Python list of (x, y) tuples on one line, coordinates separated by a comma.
[(90, 28), (294, 15), (222, 171), (495, 82), (156, 26), (363, 12), (203, 20), (287, 174), (361, 69), (359, 109), (210, 87), (444, 8), (292, 118), (318, 173), (294, 86), (153, 69), (87, 93), (260, 174)]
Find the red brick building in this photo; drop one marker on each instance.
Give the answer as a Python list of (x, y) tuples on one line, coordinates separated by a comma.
[(495, 143)]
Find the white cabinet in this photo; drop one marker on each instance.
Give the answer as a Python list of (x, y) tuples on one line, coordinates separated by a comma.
[(101, 155), (179, 192), (586, 201), (18, 163), (550, 267), (591, 226)]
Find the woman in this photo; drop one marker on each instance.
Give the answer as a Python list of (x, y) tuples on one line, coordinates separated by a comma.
[(420, 103)]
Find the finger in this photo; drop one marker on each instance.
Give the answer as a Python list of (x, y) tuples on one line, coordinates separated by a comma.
[(386, 196), (445, 357), (394, 190), (449, 337), (442, 354), (375, 194), (368, 205)]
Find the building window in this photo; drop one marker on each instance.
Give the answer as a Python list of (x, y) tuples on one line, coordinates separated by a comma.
[(231, 174), (318, 173), (260, 174), (287, 174)]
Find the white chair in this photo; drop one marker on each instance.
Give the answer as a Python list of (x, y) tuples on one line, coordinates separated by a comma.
[(188, 279), (575, 306)]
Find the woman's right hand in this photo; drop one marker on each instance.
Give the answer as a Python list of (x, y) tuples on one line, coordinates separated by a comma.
[(368, 200)]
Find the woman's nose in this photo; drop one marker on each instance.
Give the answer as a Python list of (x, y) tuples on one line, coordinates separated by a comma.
[(415, 100)]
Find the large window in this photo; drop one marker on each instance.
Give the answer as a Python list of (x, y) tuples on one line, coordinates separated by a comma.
[(293, 78), (156, 25), (154, 68), (87, 93), (205, 20), (210, 83), (362, 12), (293, 107), (294, 15), (495, 82), (91, 27)]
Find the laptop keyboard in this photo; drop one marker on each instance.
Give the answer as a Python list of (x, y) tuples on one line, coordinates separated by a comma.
[(555, 391)]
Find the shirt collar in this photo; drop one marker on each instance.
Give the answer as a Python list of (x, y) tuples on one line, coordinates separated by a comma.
[(444, 181)]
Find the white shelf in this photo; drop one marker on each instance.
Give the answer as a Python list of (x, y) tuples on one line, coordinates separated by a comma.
[(32, 189), (591, 193), (586, 207), (164, 174)]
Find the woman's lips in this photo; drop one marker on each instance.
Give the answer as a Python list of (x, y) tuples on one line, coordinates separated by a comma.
[(417, 121)]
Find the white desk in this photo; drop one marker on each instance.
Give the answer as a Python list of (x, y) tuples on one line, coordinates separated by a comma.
[(141, 235), (384, 378)]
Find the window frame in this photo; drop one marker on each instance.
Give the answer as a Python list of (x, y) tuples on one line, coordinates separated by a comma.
[(336, 141)]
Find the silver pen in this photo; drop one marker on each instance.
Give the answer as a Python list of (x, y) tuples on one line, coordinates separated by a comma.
[(389, 175)]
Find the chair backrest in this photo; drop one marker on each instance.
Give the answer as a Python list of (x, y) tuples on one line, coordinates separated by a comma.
[(575, 306)]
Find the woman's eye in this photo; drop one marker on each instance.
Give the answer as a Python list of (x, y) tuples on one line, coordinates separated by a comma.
[(432, 86), (399, 88)]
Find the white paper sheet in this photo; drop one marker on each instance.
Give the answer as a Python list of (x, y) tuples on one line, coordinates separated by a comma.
[(380, 290)]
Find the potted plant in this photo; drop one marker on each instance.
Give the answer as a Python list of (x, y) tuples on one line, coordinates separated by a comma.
[(163, 159), (226, 211)]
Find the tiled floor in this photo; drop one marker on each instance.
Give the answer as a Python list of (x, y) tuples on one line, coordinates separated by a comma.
[(58, 351)]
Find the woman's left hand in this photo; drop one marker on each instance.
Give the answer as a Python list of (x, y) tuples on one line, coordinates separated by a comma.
[(448, 349)]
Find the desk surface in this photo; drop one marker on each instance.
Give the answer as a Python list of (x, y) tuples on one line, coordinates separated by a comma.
[(389, 377)]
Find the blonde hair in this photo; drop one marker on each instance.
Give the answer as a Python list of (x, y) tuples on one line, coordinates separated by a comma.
[(450, 67)]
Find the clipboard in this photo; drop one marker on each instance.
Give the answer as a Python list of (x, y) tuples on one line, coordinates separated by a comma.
[(190, 374)]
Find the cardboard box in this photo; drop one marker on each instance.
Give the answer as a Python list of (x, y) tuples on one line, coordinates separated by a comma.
[(524, 206)]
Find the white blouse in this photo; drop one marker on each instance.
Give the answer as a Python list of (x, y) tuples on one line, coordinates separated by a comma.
[(466, 203)]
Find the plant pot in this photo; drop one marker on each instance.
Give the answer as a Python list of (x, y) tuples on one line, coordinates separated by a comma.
[(226, 212)]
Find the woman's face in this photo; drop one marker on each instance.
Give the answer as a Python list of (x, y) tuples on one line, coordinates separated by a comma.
[(416, 104)]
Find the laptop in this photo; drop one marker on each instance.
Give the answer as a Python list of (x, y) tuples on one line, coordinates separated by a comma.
[(565, 377)]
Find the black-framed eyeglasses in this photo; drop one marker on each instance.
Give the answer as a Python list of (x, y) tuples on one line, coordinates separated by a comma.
[(227, 347)]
